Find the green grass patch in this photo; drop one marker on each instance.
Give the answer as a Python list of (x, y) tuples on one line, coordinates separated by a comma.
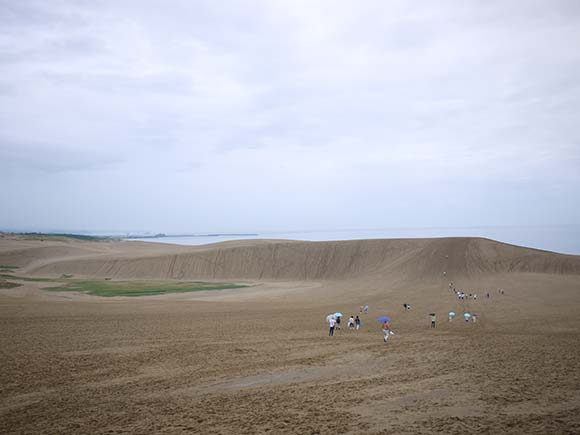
[(5, 266), (23, 278), (61, 236), (135, 288), (108, 288), (8, 284)]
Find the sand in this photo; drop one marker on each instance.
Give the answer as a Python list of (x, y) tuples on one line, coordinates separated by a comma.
[(259, 359)]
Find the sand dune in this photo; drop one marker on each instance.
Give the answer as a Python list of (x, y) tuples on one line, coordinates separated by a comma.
[(416, 259), (259, 360)]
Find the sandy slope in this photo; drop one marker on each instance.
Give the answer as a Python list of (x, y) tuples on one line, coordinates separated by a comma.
[(423, 259), (259, 360)]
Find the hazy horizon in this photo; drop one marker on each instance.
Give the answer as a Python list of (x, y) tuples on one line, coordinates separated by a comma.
[(557, 238), (268, 116)]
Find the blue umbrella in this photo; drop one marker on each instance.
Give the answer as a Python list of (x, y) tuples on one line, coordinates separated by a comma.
[(337, 314), (451, 313), (383, 319)]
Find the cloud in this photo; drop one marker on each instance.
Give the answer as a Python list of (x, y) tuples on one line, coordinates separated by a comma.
[(49, 158), (292, 110)]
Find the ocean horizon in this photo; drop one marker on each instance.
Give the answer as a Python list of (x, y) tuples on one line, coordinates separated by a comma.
[(563, 239)]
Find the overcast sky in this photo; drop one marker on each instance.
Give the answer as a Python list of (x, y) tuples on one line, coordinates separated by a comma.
[(192, 116)]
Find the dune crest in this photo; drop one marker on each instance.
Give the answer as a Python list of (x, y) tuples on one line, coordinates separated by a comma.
[(417, 259)]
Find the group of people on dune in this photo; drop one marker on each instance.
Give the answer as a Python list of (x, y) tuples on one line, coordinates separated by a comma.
[(355, 323)]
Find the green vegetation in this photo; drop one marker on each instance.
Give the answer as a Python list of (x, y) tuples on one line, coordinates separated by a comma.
[(8, 284), (57, 236), (108, 288), (135, 288), (22, 278), (5, 266)]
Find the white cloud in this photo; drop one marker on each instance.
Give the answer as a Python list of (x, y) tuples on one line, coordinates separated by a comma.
[(297, 112)]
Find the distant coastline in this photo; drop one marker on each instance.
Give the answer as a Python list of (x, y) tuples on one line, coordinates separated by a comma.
[(557, 238), (563, 239), (159, 236)]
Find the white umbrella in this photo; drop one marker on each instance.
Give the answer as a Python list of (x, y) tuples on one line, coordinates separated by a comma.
[(330, 316)]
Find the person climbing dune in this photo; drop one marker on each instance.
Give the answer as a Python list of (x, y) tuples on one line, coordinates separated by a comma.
[(386, 331)]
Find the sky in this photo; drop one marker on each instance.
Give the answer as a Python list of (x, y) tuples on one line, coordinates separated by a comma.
[(193, 116)]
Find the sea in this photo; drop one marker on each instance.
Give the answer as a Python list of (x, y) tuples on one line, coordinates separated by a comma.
[(558, 238)]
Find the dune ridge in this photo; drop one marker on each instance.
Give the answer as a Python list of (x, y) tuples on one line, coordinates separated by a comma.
[(260, 359), (418, 259)]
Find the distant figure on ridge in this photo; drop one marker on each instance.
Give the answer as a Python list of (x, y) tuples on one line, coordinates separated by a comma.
[(433, 319)]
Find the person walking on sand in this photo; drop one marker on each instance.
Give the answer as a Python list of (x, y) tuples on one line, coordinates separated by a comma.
[(360, 309), (467, 316), (338, 322), (351, 322), (332, 323), (386, 330), (366, 309), (433, 319), (357, 322), (474, 318)]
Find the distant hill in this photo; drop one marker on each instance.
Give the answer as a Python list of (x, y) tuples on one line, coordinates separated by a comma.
[(55, 236), (412, 259)]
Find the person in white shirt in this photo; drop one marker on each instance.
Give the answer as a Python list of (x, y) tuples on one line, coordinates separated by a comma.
[(351, 322), (332, 323), (386, 331)]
